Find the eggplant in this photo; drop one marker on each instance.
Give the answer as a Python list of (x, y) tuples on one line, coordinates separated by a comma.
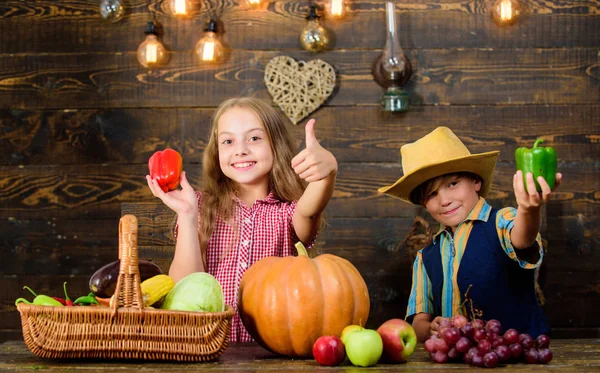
[(104, 281)]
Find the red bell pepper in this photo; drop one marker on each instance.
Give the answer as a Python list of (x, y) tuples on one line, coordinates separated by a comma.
[(165, 167)]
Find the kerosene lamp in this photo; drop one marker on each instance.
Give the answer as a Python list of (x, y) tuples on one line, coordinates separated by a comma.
[(392, 69)]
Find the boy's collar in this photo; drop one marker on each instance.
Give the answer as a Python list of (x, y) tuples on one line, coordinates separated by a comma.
[(481, 211)]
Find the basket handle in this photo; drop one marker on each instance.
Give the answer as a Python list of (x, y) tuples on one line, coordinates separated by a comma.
[(127, 292)]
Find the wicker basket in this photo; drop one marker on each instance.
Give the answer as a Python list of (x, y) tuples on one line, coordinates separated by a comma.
[(125, 330)]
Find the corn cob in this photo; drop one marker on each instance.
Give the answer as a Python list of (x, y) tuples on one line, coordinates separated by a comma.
[(155, 288)]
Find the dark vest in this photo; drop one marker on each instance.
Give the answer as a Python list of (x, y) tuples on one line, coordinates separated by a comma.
[(501, 288)]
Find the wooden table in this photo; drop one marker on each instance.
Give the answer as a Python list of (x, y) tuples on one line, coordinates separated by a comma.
[(570, 355)]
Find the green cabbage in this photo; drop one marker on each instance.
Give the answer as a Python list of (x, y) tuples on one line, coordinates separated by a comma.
[(198, 291)]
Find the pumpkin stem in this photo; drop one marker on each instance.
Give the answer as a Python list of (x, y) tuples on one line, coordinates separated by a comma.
[(301, 249)]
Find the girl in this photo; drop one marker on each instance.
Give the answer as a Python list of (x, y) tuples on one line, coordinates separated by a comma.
[(255, 202)]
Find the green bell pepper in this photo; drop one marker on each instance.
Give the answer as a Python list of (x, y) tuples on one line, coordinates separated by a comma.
[(539, 161)]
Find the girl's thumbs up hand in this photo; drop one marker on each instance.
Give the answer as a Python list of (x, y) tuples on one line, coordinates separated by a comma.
[(311, 139), (314, 162)]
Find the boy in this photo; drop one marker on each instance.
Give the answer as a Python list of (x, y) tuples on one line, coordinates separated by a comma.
[(494, 251)]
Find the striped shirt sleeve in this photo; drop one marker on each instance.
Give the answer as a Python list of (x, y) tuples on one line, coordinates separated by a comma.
[(505, 221), (420, 300)]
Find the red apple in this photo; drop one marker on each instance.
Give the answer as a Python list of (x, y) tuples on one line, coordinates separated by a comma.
[(399, 340), (329, 350)]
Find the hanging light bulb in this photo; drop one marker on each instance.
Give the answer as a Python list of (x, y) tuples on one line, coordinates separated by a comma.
[(506, 12), (151, 53), (392, 69), (181, 8), (210, 49), (314, 37), (337, 8), (251, 4), (112, 10)]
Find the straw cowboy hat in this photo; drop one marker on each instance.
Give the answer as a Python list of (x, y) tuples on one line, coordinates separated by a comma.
[(437, 153)]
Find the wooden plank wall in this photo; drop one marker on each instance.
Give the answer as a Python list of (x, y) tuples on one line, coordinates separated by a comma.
[(79, 118)]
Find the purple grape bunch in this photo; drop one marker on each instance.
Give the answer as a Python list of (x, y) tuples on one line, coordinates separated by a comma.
[(484, 344)]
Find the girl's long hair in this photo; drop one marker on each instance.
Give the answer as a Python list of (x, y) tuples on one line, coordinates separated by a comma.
[(217, 201)]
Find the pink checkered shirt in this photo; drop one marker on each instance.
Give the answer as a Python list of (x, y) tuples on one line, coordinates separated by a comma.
[(265, 229)]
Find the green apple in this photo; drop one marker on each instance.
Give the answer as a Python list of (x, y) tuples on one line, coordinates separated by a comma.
[(363, 347), (349, 329)]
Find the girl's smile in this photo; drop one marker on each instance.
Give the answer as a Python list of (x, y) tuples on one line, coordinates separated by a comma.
[(243, 165)]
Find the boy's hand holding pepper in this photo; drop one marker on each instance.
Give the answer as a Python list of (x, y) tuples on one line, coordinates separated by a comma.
[(540, 162), (528, 198), (536, 176)]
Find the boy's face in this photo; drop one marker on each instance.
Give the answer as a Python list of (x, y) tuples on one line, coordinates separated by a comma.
[(452, 202)]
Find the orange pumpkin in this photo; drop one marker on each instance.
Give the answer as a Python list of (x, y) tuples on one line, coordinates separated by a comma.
[(287, 303)]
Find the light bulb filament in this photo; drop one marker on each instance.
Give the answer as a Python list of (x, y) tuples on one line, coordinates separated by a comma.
[(208, 53), (506, 11), (336, 8), (151, 53), (180, 7)]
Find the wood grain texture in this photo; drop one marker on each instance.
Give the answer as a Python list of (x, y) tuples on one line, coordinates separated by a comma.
[(33, 26), (56, 246), (352, 134), (81, 192), (440, 77)]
